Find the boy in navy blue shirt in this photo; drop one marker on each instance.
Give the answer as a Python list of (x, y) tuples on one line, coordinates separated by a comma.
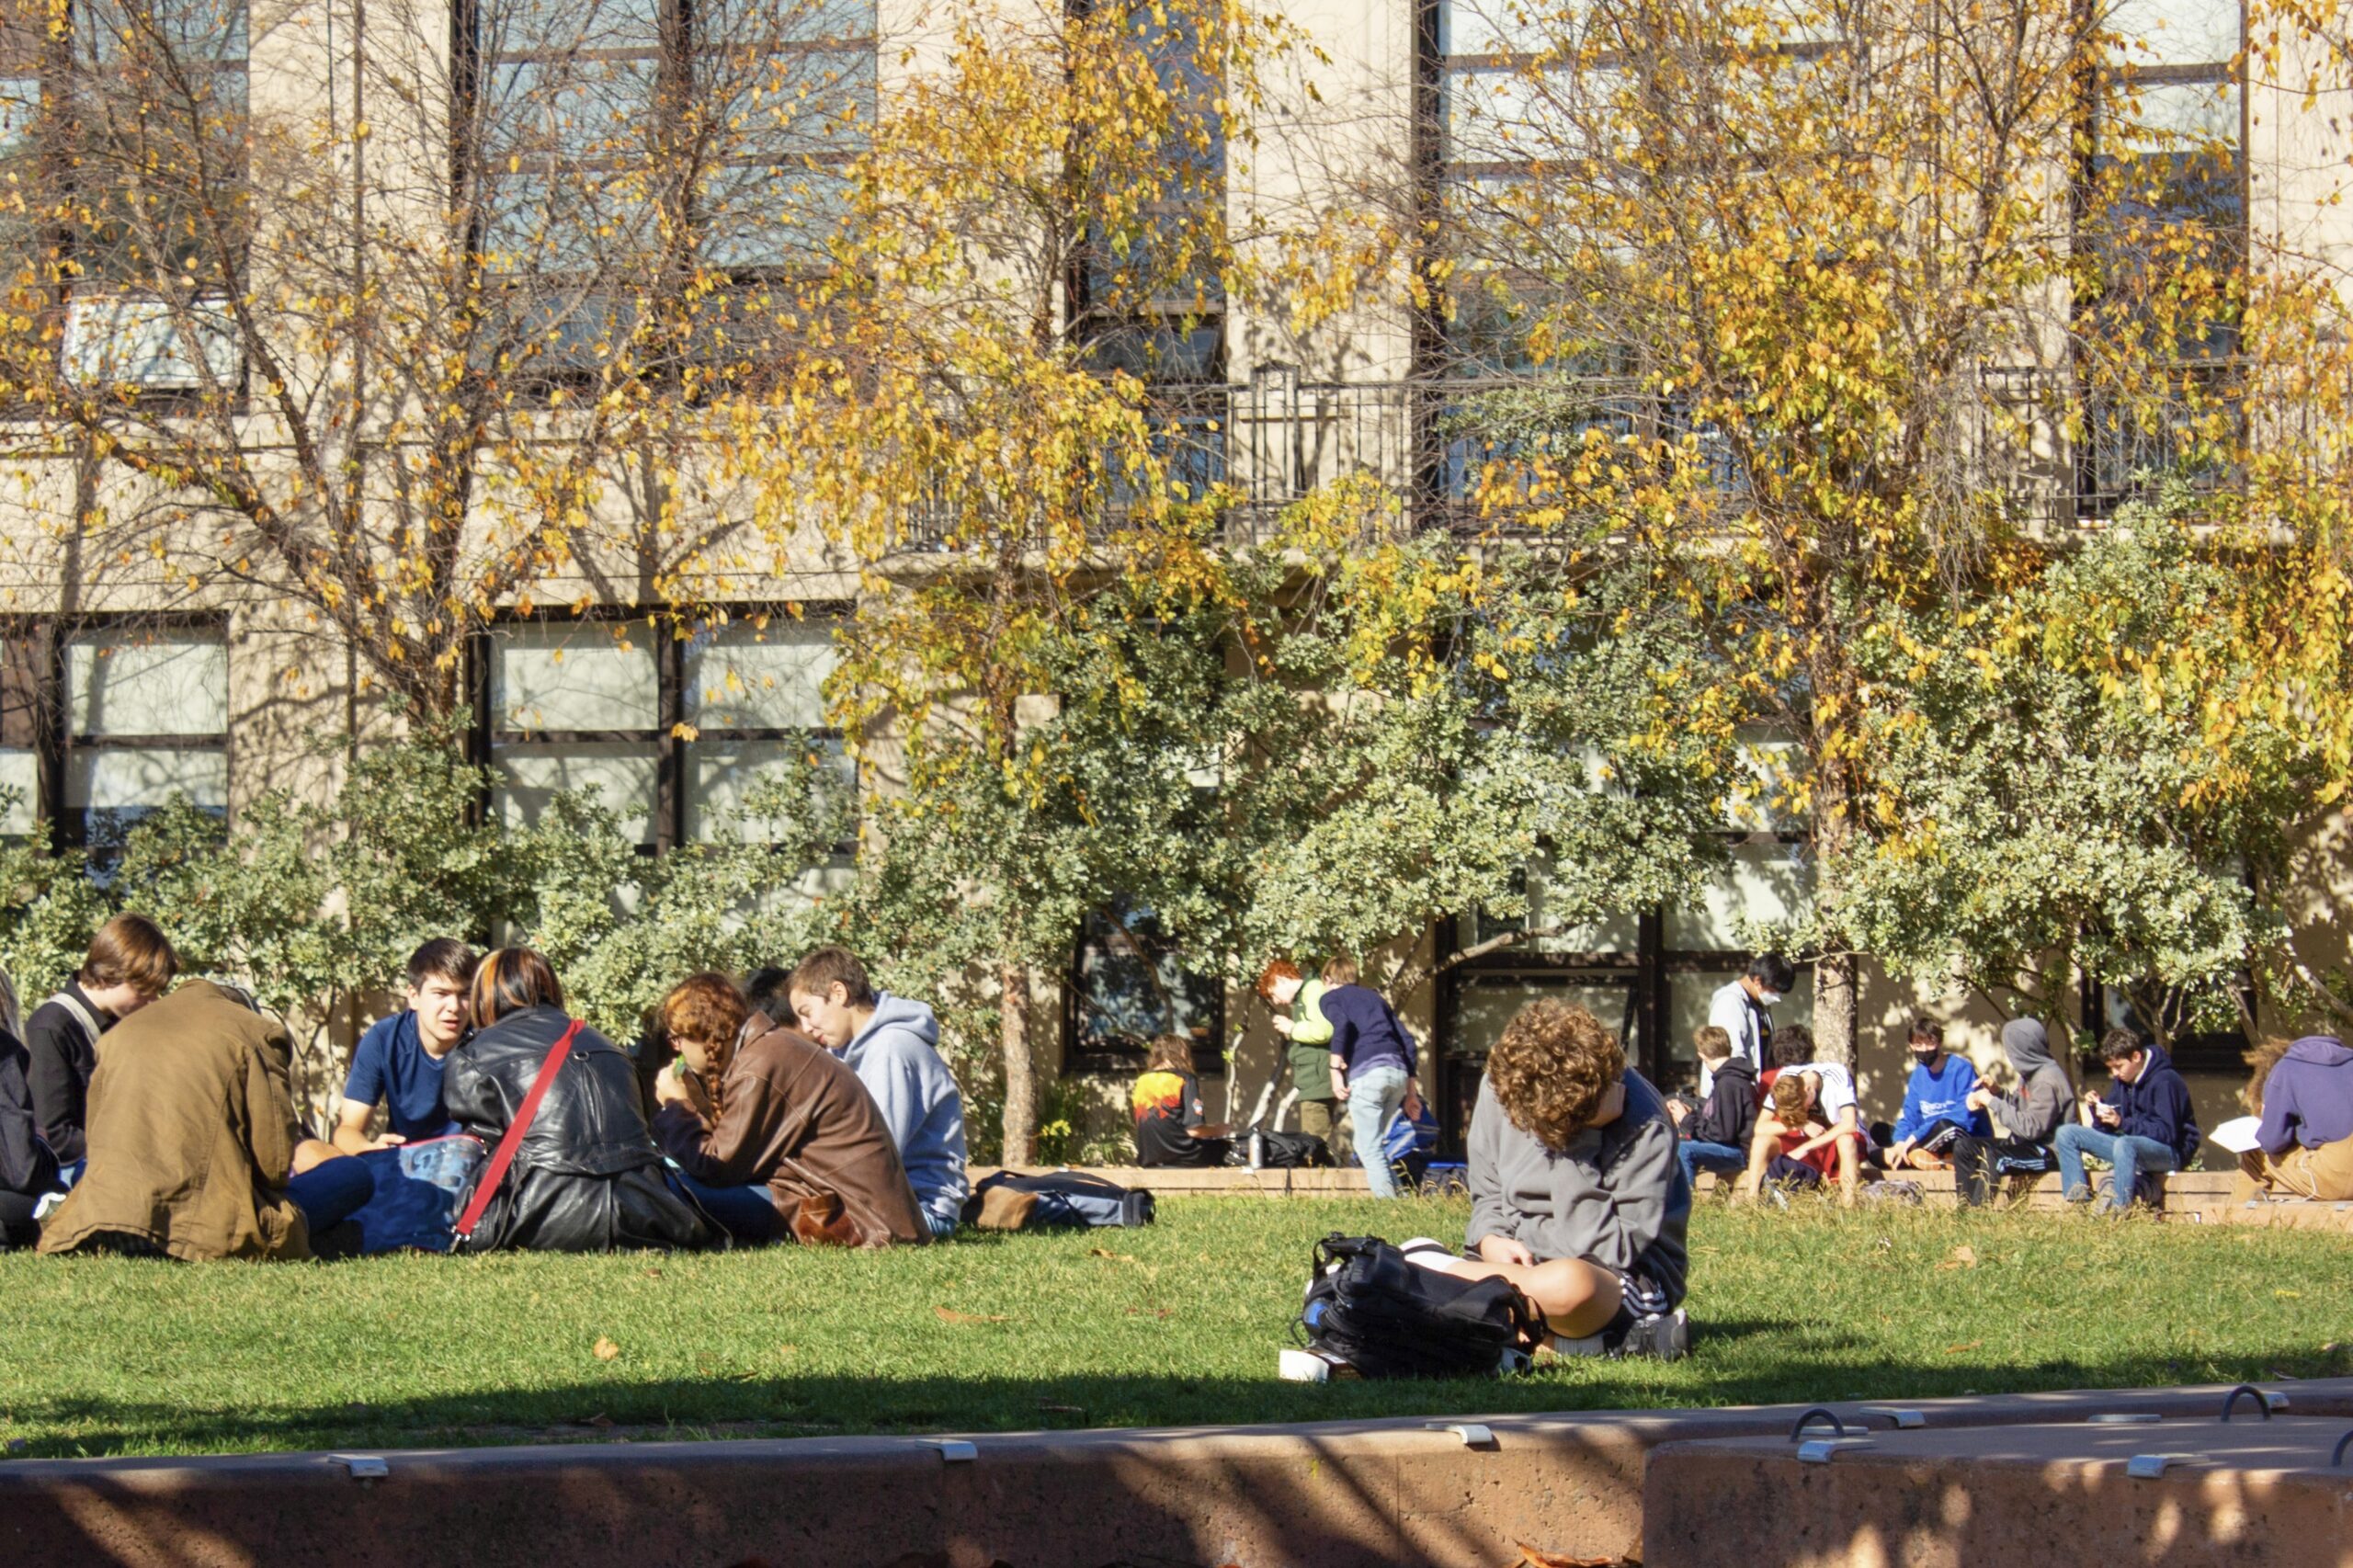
[(398, 1062), (1935, 1103)]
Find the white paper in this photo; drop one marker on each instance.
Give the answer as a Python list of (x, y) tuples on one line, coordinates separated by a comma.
[(2238, 1135)]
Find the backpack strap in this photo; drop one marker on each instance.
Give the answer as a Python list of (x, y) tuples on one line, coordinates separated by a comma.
[(81, 1015), (503, 1156)]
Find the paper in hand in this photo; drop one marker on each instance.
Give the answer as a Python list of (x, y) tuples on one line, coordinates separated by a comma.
[(2238, 1135)]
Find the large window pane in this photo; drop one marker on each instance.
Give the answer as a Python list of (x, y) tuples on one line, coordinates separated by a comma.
[(117, 341), (1128, 982), (573, 677), (19, 792), (2176, 32), (725, 774), (114, 786), (1768, 881), (1688, 992), (148, 684), (744, 677), (622, 773)]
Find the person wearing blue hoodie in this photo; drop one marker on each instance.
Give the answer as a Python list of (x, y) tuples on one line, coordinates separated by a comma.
[(2142, 1124), (892, 1044), (2304, 1139), (1936, 1102)]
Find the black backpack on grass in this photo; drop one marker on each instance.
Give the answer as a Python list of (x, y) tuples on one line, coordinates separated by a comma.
[(1289, 1151), (1384, 1317)]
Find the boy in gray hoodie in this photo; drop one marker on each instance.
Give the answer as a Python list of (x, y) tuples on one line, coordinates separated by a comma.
[(1577, 1193), (892, 1044), (2026, 1119)]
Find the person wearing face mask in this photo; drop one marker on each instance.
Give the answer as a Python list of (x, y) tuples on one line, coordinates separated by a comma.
[(1937, 1108), (1744, 1010), (130, 963)]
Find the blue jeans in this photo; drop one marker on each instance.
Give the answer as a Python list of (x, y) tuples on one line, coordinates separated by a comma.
[(2131, 1155), (1698, 1156), (744, 1212), (940, 1224), (331, 1192), (1374, 1095)]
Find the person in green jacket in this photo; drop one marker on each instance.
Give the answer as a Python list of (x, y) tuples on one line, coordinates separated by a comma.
[(1301, 1021)]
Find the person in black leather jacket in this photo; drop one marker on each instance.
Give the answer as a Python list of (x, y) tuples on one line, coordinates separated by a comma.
[(586, 1176)]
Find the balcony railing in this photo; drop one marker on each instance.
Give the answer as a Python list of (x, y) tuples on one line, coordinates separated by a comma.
[(1444, 447)]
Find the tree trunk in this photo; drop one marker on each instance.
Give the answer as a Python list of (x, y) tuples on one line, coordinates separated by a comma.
[(1837, 1011), (1020, 1124)]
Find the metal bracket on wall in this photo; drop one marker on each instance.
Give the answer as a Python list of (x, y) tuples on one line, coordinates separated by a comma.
[(955, 1451), (1475, 1435), (363, 1467)]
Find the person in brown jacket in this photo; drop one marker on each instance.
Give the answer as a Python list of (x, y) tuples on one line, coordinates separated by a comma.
[(194, 1148), (751, 1101)]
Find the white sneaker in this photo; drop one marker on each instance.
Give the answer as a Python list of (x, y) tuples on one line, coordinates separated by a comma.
[(1666, 1335)]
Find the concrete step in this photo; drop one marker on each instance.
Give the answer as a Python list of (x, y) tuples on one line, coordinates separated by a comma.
[(2199, 1494), (1469, 1491), (2196, 1195)]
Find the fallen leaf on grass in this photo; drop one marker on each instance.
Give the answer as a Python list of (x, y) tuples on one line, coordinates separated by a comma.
[(654, 1273), (1960, 1257), (606, 1348), (1161, 1312), (1957, 1349), (948, 1314), (788, 1350), (1107, 1253), (600, 1419), (2290, 1295)]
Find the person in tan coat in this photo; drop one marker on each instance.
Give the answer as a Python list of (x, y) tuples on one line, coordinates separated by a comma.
[(752, 1102), (194, 1148)]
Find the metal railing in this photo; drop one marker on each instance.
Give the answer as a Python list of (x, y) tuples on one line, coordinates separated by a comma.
[(1445, 448)]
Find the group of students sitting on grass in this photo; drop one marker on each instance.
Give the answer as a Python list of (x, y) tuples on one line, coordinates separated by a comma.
[(145, 1118), (1794, 1124)]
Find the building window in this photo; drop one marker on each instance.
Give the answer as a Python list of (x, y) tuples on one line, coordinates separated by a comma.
[(1129, 981), (1153, 303), (124, 137), (673, 734), (611, 130), (146, 720), (25, 726)]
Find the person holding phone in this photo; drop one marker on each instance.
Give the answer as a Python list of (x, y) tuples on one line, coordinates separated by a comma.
[(2142, 1124)]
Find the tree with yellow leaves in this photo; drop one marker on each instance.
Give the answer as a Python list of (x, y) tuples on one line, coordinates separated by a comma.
[(1846, 309), (411, 313)]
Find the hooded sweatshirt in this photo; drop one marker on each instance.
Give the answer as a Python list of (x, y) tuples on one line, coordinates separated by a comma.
[(1939, 1094), (1616, 1196), (2034, 1109), (1730, 1114), (2156, 1106), (2308, 1098), (896, 1056)]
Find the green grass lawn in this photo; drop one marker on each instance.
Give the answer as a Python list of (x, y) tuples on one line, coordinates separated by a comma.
[(1178, 1324)]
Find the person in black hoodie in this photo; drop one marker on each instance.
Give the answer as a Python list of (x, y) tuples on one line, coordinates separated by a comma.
[(27, 1165), (586, 1176), (2141, 1125), (1716, 1136), (129, 965)]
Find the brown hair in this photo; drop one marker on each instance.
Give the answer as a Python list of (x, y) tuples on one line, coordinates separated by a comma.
[(1789, 1097), (827, 967), (1711, 1042), (1169, 1054), (1925, 1032), (706, 1008), (129, 949), (2260, 1064), (509, 981), (1276, 972), (1340, 971), (1550, 1069), (2118, 1044)]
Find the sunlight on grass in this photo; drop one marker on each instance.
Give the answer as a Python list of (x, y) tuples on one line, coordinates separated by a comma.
[(1178, 1324)]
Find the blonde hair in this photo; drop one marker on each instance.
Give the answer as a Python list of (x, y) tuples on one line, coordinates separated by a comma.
[(1339, 971), (1713, 1041)]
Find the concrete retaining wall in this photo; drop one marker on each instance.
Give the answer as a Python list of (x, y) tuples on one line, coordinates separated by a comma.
[(1327, 1495)]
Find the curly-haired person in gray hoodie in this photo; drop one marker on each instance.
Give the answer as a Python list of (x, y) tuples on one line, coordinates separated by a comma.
[(1576, 1194)]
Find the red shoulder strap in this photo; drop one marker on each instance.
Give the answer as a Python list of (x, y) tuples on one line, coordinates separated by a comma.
[(503, 1156)]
